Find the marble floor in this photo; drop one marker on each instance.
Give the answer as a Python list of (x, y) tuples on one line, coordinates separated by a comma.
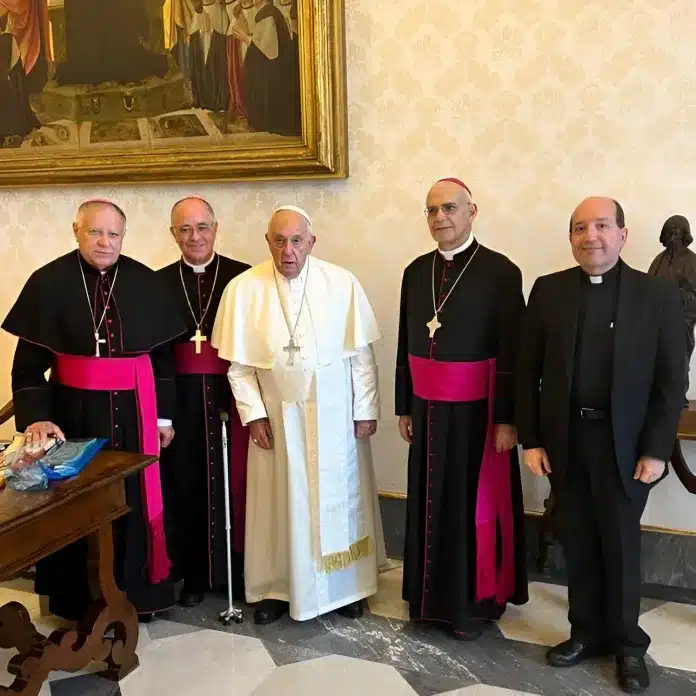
[(188, 652)]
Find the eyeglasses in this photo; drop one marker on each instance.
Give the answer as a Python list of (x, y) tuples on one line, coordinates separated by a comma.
[(201, 228), (448, 209)]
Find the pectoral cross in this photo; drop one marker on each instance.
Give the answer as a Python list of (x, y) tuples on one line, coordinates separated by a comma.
[(433, 325), (198, 338), (97, 341), (291, 349)]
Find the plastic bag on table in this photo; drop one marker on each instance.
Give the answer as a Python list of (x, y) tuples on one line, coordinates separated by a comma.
[(29, 478)]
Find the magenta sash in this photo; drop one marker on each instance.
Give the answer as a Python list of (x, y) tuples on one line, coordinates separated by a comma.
[(124, 374), (207, 362), (435, 380)]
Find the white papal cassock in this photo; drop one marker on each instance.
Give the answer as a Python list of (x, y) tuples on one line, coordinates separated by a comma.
[(313, 529)]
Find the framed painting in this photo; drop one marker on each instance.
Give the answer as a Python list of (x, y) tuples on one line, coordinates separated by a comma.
[(163, 91)]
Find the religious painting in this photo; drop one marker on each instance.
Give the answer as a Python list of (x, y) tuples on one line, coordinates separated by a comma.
[(127, 91)]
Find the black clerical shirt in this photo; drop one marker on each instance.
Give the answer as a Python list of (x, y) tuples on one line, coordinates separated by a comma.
[(594, 347)]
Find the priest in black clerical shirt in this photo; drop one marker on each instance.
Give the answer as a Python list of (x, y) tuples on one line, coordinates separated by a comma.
[(458, 333), (192, 466), (599, 395), (102, 323)]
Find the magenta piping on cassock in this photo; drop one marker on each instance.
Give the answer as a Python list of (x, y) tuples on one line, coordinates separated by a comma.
[(122, 374), (436, 380), (207, 362)]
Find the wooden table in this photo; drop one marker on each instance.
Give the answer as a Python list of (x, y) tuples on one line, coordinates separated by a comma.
[(34, 525)]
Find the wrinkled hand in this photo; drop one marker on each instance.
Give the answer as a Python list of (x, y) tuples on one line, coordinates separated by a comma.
[(537, 461), (37, 434), (166, 435), (649, 470), (261, 433), (406, 428), (505, 437), (365, 429)]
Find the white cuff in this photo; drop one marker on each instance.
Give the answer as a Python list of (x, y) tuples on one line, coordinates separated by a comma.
[(164, 423)]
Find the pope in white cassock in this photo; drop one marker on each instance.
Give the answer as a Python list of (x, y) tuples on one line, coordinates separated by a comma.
[(298, 333)]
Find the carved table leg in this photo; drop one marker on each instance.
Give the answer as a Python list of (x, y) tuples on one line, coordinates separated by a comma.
[(121, 615), (17, 629), (71, 650)]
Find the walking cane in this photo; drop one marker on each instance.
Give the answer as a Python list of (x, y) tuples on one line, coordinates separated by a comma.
[(230, 614)]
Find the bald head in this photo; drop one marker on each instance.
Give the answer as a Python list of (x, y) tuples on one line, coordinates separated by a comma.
[(194, 228), (99, 204), (195, 202), (450, 213), (605, 202), (597, 234), (290, 241)]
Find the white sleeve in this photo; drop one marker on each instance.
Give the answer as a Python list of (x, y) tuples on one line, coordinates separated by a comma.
[(365, 385), (247, 392)]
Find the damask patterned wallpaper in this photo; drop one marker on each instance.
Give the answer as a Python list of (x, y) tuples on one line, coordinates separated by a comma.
[(535, 104)]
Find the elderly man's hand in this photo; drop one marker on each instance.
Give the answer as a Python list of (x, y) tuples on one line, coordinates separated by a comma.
[(37, 434), (365, 429), (261, 433)]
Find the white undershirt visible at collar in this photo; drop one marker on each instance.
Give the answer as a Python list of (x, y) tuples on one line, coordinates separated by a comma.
[(201, 267), (449, 254)]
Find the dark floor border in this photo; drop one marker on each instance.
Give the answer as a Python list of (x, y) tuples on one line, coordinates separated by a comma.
[(669, 558)]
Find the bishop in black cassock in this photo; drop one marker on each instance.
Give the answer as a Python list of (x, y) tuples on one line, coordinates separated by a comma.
[(95, 301), (458, 332), (193, 464)]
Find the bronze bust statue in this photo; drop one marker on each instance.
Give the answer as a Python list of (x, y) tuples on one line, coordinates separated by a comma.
[(678, 262)]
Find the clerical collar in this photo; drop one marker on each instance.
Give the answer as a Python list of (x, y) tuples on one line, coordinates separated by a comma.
[(200, 268), (608, 276), (90, 269), (449, 254)]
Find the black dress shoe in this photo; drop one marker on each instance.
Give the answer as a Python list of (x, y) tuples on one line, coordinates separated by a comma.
[(468, 634), (351, 611), (573, 652), (190, 599), (470, 630), (146, 618), (632, 674), (269, 610)]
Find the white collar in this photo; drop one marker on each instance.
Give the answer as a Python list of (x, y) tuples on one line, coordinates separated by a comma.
[(200, 268), (449, 254), (596, 280)]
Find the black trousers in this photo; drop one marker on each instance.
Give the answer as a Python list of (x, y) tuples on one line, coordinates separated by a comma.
[(600, 528)]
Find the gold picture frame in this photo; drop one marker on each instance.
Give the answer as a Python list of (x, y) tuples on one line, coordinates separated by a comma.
[(320, 153)]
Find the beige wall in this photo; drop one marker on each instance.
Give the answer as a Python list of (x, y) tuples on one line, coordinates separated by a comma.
[(534, 103)]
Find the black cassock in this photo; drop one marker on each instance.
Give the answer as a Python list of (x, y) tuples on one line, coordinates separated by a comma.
[(209, 76), (106, 41), (480, 321), (51, 316), (271, 95), (16, 88), (192, 465)]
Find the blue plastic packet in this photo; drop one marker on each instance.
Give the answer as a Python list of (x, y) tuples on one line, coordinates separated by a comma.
[(69, 458), (29, 478)]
